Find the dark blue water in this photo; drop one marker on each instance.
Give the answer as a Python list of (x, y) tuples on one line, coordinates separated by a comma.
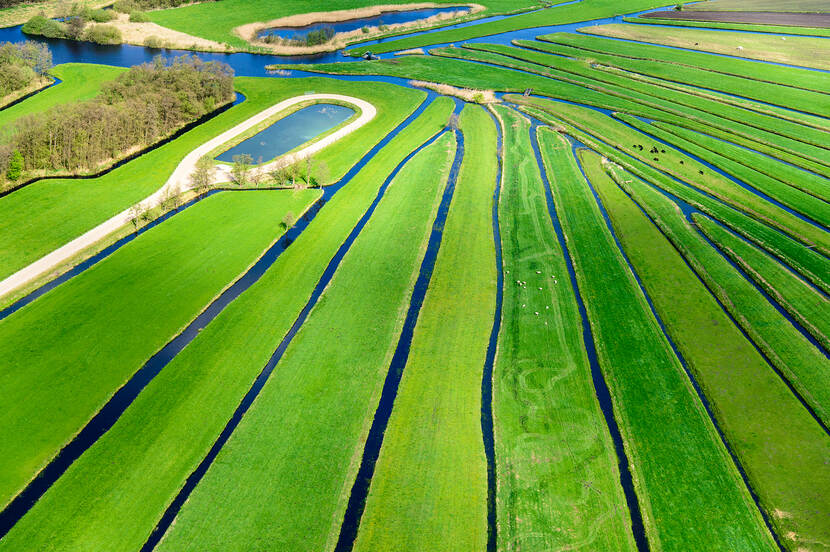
[(289, 132), (487, 431), (385, 18), (374, 441)]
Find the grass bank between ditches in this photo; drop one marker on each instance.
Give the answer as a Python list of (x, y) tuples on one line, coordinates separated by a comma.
[(780, 446), (304, 431), (172, 424), (138, 298), (429, 489), (668, 435)]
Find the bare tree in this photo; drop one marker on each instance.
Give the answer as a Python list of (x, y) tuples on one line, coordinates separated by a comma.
[(241, 168), (203, 174), (453, 122)]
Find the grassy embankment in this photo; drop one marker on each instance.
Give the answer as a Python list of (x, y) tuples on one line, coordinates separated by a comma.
[(802, 364), (79, 82), (797, 50), (668, 435), (780, 446), (307, 428), (557, 15), (45, 215), (708, 149), (619, 142), (558, 479), (102, 325), (430, 484), (802, 301), (163, 436), (217, 20)]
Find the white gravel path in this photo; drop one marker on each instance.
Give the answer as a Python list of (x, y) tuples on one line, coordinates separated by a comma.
[(179, 182)]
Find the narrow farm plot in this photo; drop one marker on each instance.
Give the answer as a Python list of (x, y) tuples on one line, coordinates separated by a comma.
[(164, 435), (614, 51), (667, 432), (780, 446), (47, 214), (307, 428), (796, 50), (79, 81), (802, 364), (707, 150), (429, 489), (802, 301), (103, 324), (558, 479), (624, 149)]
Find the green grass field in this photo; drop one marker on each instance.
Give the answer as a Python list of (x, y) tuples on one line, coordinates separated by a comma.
[(801, 300), (778, 443), (650, 390), (796, 50), (49, 213), (802, 6), (96, 323), (325, 413), (164, 435), (430, 483), (558, 481), (802, 364)]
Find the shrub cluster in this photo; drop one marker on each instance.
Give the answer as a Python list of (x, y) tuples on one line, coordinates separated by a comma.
[(312, 38), (75, 28), (143, 105), (21, 63)]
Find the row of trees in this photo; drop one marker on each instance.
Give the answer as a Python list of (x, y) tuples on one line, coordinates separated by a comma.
[(21, 64), (309, 172), (143, 105)]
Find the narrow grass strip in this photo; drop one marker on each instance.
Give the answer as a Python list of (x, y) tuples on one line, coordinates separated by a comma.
[(611, 50), (780, 446), (801, 301), (164, 435), (803, 365), (807, 262), (760, 28), (707, 149), (307, 427), (558, 478), (429, 489), (805, 181), (101, 325), (668, 434)]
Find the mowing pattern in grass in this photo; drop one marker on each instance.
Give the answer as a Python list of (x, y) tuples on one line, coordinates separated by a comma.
[(558, 481), (759, 28), (429, 486), (780, 446), (164, 435), (45, 215), (325, 412), (668, 434), (102, 325)]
